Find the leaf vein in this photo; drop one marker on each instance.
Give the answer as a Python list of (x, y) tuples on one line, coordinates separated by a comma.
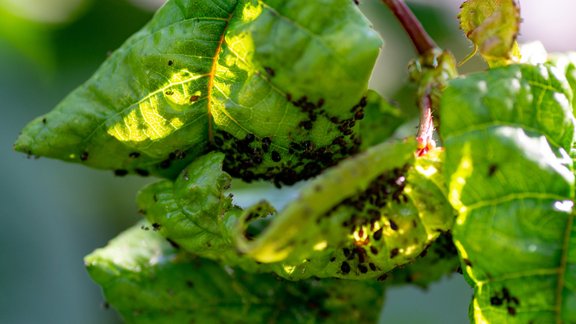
[(515, 196), (563, 267), (212, 75), (523, 274)]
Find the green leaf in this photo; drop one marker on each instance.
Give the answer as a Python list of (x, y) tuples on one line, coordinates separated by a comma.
[(537, 98), (148, 281), (357, 220), (195, 211), (379, 120), (255, 79), (506, 134), (492, 25)]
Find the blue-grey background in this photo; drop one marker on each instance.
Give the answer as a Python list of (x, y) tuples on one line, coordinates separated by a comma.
[(53, 213)]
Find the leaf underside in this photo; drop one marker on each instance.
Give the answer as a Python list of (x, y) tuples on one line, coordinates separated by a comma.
[(436, 261), (506, 134), (254, 79), (148, 281)]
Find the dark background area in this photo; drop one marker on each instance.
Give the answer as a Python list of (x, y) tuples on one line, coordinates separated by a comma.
[(54, 213)]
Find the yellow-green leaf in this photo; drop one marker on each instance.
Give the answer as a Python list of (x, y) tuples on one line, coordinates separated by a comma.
[(492, 25), (271, 83)]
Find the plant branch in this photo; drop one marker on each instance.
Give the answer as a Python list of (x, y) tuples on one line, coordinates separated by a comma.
[(420, 38)]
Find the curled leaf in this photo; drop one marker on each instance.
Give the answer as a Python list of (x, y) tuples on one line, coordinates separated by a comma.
[(274, 85), (329, 200), (492, 25), (196, 212), (359, 219), (438, 260)]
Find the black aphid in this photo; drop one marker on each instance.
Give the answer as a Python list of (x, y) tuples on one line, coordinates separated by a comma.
[(270, 71), (495, 301), (266, 141), (345, 267), (378, 234), (468, 263), (492, 169), (346, 252), (165, 164), (142, 172), (276, 157)]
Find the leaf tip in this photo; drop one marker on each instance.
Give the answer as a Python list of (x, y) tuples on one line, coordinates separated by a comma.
[(24, 143)]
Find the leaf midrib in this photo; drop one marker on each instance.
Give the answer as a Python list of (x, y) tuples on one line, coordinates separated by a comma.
[(123, 110), (563, 267), (212, 75)]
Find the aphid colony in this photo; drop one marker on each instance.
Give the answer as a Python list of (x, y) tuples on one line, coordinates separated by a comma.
[(254, 158), (505, 299), (261, 157), (369, 219), (367, 234), (375, 236)]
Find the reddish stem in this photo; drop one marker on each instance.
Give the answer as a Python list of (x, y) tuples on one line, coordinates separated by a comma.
[(426, 127), (420, 38)]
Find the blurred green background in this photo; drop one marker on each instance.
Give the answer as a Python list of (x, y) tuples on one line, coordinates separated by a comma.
[(54, 213)]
